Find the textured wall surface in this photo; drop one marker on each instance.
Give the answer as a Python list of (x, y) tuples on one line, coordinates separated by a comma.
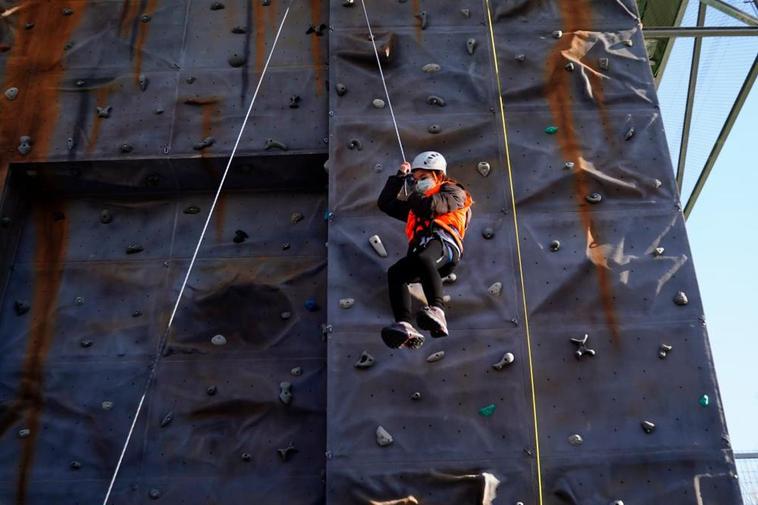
[(132, 108)]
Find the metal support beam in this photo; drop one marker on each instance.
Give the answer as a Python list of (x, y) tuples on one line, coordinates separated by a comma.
[(732, 11), (665, 32), (690, 99), (723, 135), (670, 43)]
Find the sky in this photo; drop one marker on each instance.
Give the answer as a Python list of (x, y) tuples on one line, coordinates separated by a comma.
[(722, 227)]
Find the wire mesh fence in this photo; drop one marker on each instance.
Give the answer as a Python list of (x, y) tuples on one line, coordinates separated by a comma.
[(747, 469)]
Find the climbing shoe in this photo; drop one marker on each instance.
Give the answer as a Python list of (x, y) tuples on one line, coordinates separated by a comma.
[(432, 319), (402, 334)]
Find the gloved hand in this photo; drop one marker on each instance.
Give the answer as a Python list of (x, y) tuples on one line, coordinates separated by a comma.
[(405, 168)]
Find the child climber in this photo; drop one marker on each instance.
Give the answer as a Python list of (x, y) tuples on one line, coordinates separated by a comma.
[(437, 211)]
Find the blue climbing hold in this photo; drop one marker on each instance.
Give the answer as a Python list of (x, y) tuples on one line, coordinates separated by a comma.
[(311, 305)]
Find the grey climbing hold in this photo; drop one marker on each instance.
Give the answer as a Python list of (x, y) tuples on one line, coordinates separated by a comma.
[(24, 432), (285, 393), (266, 3), (557, 34), (206, 142), (436, 100), (21, 307), (80, 83), (435, 356), (681, 298), (431, 68), (106, 405), (378, 103), (285, 315), (348, 3), (582, 349), (296, 217), (216, 6), (294, 102), (435, 128), (575, 439), (416, 396), (145, 18), (658, 251), (346, 303), (211, 390), (488, 233), (143, 82), (555, 245), (365, 361), (285, 246), (471, 45), (137, 313), (287, 452), (450, 278), (569, 66), (134, 249), (648, 426), (70, 144), (167, 419), (29, 25), (85, 343), (239, 30), (495, 289), (341, 89), (126, 148), (246, 456), (355, 144), (104, 112), (218, 340), (506, 360), (521, 58), (271, 144), (296, 372), (629, 133), (378, 167), (192, 209), (594, 198), (236, 60), (604, 63), (466, 12), (75, 465), (154, 494), (24, 145), (483, 168), (11, 93), (664, 350), (67, 11), (240, 236), (158, 111), (383, 438), (106, 217), (79, 301), (376, 243), (424, 17), (569, 165)]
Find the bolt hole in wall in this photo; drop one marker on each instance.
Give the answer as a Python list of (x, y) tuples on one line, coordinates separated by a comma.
[(92, 256)]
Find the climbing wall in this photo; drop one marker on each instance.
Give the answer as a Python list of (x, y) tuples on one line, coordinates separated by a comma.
[(597, 248)]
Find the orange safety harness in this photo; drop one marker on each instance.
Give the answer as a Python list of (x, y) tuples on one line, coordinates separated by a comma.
[(454, 222)]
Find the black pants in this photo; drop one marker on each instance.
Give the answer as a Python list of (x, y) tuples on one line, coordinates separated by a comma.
[(428, 266)]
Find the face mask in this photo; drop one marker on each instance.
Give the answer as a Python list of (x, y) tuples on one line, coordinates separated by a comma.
[(424, 185)]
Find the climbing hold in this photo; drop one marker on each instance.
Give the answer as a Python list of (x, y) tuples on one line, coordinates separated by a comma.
[(311, 305), (134, 249), (79, 301), (167, 419), (495, 289), (287, 452), (664, 351), (521, 58), (704, 401), (266, 3), (29, 25), (575, 439), (285, 315), (604, 63), (434, 128), (569, 66), (446, 298), (24, 432), (555, 245), (431, 68), (617, 502), (154, 494), (294, 101), (67, 11), (594, 198), (569, 165), (506, 360), (216, 6), (341, 89), (285, 246), (466, 12), (378, 103), (376, 243), (239, 30), (5, 221), (296, 372), (158, 111), (211, 390), (126, 148), (24, 145), (658, 251), (11, 93), (436, 356), (104, 112), (145, 18), (21, 307), (488, 233), (557, 34), (487, 410), (106, 217), (628, 42), (137, 313), (143, 82), (365, 361), (416, 396), (348, 3), (483, 168), (471, 45), (681, 298), (190, 79), (85, 343), (378, 167), (80, 83), (296, 217), (192, 209), (236, 60), (629, 133), (648, 426), (346, 303), (240, 236), (218, 340), (285, 393), (424, 17), (450, 278), (106, 405), (355, 144), (550, 130), (582, 348), (383, 438), (206, 142), (246, 456), (436, 100), (75, 465)]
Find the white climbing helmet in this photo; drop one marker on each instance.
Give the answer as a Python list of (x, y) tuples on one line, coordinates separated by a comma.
[(430, 160)]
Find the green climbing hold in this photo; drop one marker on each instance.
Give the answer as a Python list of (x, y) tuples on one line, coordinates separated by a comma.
[(704, 401), (487, 410), (550, 130)]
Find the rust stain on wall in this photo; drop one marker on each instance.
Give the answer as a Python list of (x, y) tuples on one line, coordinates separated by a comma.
[(101, 100), (213, 171), (142, 29), (129, 13), (416, 10), (576, 15)]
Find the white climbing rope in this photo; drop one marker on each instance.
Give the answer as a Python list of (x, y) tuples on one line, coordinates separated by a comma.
[(192, 262), (384, 83)]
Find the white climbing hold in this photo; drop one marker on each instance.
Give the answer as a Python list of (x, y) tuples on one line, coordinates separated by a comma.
[(451, 278), (495, 289), (506, 360), (557, 34), (435, 356), (431, 68), (378, 103), (575, 439), (218, 340), (658, 251), (483, 168), (106, 405), (376, 243), (346, 303), (383, 438)]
